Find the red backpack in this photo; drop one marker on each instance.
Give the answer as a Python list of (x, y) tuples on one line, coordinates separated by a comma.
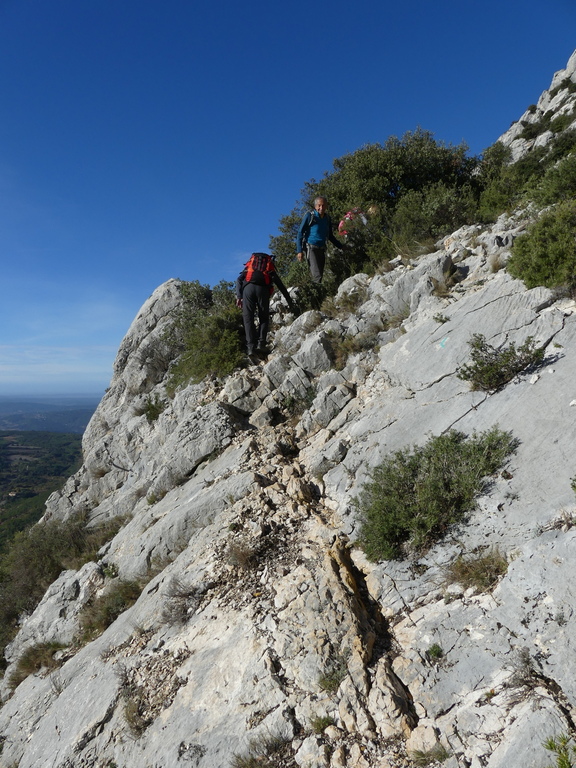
[(259, 270)]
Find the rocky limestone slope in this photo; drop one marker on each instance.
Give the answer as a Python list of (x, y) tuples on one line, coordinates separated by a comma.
[(262, 628)]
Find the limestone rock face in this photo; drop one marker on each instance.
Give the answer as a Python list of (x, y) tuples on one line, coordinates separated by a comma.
[(559, 100), (261, 629)]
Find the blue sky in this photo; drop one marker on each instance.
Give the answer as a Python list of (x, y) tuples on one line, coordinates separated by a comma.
[(165, 138)]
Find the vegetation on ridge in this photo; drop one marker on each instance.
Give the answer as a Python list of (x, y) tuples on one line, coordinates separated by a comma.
[(36, 557), (413, 190), (208, 332)]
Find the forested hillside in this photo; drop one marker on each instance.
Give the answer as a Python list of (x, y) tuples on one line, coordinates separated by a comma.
[(32, 466)]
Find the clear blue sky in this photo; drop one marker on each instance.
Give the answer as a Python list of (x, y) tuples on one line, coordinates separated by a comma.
[(165, 138)]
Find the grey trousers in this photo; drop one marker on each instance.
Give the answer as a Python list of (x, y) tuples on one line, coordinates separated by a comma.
[(316, 259)]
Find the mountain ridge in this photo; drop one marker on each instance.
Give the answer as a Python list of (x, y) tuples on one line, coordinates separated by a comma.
[(263, 632)]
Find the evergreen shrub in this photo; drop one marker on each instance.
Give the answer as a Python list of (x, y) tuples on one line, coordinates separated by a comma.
[(493, 367), (414, 496), (209, 331), (546, 254), (563, 748), (558, 183)]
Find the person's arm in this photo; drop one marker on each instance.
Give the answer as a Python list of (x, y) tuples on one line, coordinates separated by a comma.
[(332, 238), (283, 290), (240, 287), (303, 230)]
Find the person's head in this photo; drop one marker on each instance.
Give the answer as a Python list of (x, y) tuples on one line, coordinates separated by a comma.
[(321, 205)]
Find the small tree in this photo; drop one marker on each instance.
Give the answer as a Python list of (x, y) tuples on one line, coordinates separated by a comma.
[(493, 367)]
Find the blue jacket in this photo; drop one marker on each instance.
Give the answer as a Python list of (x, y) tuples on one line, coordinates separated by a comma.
[(316, 230)]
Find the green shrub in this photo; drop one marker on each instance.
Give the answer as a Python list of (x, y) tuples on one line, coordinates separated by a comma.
[(566, 84), (435, 652), (491, 367), (331, 678), (153, 407), (414, 496), (546, 254), (564, 750), (375, 178), (209, 332), (505, 182), (213, 346), (321, 722), (558, 183), (432, 212), (533, 130), (481, 571)]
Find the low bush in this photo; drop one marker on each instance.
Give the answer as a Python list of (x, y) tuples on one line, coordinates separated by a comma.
[(101, 612), (524, 672), (414, 496), (343, 347), (435, 652), (558, 183), (493, 367), (546, 254), (331, 678), (480, 571), (153, 407), (266, 751), (438, 754), (35, 658), (433, 212), (242, 554), (321, 722), (180, 600)]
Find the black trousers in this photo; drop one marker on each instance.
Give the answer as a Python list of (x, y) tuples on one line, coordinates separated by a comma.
[(255, 300)]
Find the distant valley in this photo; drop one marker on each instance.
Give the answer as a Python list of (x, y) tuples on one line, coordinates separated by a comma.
[(40, 446), (50, 413)]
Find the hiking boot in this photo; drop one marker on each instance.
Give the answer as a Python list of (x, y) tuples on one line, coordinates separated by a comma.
[(262, 350)]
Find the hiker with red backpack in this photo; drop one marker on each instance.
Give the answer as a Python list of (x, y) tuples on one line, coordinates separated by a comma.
[(254, 286), (314, 232)]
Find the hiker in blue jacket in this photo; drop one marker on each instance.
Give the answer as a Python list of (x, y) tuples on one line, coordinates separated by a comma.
[(315, 230)]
